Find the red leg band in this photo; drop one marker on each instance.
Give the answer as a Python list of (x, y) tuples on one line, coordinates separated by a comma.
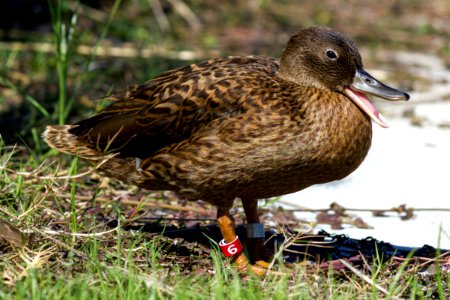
[(232, 248)]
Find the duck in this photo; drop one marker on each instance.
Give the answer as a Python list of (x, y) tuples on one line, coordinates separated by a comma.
[(239, 127)]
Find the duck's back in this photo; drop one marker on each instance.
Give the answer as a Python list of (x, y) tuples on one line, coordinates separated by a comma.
[(174, 105)]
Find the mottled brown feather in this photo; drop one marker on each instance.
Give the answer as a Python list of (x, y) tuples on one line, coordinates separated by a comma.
[(248, 127)]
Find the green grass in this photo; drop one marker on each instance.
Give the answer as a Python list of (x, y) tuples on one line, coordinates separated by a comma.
[(71, 252)]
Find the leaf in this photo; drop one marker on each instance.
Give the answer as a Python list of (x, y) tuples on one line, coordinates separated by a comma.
[(11, 234)]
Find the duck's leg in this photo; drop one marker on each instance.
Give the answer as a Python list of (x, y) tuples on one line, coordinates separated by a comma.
[(226, 225), (258, 252)]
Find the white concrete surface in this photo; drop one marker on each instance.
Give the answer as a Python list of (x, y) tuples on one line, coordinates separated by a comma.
[(406, 165)]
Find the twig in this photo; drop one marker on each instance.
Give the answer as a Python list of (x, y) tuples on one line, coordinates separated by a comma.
[(77, 234), (124, 51), (299, 208), (61, 244), (146, 219), (134, 203), (158, 205)]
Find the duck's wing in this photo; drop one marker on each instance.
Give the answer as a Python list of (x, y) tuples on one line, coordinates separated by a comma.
[(174, 105)]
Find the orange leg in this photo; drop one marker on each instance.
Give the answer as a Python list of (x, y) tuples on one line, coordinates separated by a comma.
[(226, 225), (258, 252)]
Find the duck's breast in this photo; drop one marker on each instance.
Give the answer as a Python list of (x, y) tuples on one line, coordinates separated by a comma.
[(327, 141)]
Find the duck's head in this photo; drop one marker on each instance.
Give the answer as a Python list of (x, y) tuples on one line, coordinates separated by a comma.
[(327, 59)]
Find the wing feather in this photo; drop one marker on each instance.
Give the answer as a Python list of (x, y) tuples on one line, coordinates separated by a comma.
[(174, 105)]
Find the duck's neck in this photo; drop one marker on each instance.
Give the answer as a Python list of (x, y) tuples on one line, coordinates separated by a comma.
[(297, 75)]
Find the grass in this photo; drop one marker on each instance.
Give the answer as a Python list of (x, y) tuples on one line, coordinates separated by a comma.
[(71, 249), (71, 252)]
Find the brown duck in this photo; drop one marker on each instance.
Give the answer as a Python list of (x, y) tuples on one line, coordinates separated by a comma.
[(239, 127)]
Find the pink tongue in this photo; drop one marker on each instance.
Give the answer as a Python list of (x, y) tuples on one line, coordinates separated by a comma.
[(361, 100)]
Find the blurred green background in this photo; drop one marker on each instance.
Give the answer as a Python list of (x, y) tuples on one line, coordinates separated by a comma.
[(58, 57)]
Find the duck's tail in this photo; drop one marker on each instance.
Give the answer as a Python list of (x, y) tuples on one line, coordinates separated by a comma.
[(128, 169), (59, 137)]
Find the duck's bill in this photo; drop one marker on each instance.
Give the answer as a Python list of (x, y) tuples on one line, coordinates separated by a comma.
[(365, 83)]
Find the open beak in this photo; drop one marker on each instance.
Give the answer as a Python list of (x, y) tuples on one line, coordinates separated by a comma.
[(364, 83)]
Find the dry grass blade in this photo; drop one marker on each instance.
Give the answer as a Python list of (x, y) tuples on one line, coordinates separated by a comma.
[(365, 278), (96, 167), (442, 259), (184, 10), (65, 246), (289, 239), (29, 260), (159, 14), (295, 239), (89, 12), (42, 167), (35, 204)]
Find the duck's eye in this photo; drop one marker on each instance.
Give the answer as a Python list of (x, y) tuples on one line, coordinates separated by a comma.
[(331, 54)]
